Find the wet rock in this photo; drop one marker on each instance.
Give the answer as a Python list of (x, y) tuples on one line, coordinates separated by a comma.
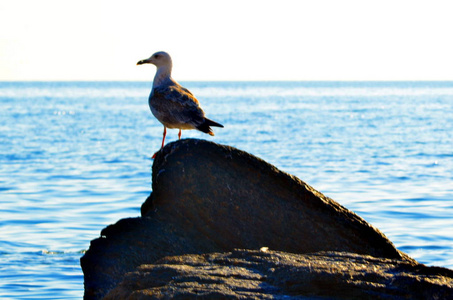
[(245, 274), (212, 198)]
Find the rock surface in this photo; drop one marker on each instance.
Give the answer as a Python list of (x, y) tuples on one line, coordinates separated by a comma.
[(211, 198), (245, 274), (236, 200)]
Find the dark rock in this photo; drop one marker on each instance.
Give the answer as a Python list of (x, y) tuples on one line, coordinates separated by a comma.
[(245, 274), (211, 198)]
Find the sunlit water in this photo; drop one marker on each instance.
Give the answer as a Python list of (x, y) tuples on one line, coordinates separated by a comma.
[(75, 157)]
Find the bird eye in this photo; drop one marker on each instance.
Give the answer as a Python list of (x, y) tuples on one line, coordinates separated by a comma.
[(156, 55)]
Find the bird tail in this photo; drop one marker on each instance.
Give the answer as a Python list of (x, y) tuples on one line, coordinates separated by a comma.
[(212, 123), (205, 127)]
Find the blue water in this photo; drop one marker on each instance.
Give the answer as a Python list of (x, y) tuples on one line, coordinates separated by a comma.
[(75, 157)]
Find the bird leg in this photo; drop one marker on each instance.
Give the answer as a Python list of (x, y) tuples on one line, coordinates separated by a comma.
[(179, 134), (163, 141)]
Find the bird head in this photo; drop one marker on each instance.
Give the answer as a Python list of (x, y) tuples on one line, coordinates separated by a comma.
[(159, 59)]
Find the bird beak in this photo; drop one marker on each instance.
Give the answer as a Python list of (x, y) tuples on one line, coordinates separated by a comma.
[(143, 61)]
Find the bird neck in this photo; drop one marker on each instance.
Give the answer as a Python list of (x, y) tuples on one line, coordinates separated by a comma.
[(163, 73)]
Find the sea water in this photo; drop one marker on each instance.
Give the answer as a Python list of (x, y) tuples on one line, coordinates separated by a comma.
[(75, 157)]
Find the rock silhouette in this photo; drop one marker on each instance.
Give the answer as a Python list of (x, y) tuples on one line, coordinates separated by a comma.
[(210, 198)]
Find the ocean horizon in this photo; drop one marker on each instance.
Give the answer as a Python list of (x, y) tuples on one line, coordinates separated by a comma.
[(75, 156)]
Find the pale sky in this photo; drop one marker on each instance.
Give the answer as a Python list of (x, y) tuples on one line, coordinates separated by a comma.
[(227, 40)]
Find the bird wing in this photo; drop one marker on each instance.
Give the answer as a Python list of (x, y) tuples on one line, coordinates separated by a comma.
[(176, 105), (187, 91)]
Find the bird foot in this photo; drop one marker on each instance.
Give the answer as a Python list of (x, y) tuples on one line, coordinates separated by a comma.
[(154, 155)]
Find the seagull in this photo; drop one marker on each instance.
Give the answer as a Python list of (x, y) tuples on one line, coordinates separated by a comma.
[(173, 105)]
